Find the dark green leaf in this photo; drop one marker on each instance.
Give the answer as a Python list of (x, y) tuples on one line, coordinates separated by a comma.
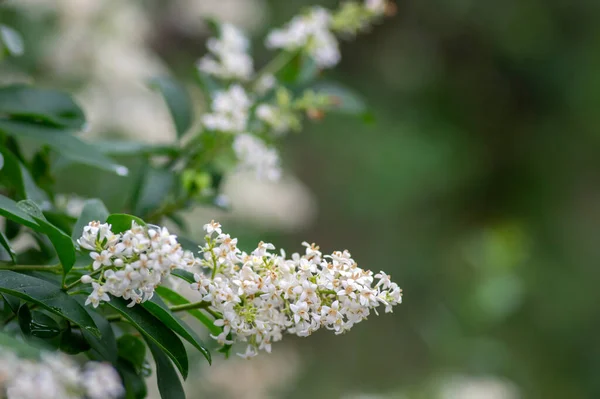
[(93, 210), (15, 175), (11, 229), (6, 244), (12, 40), (133, 350), (105, 346), (155, 330), (71, 147), (169, 384), (24, 318), (176, 299), (208, 84), (184, 275), (62, 243), (121, 222), (73, 341), (178, 101), (41, 105), (44, 326), (10, 210), (158, 308), (12, 301), (134, 383), (47, 296), (156, 185)]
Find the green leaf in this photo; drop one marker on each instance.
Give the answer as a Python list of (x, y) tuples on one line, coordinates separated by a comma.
[(158, 308), (156, 185), (12, 40), (133, 350), (121, 222), (129, 148), (93, 210), (208, 84), (105, 346), (16, 175), (22, 349), (44, 326), (73, 341), (178, 101), (184, 275), (24, 319), (47, 296), (10, 210), (12, 302), (60, 140), (350, 102), (169, 384), (155, 330), (176, 299), (6, 244), (62, 243), (40, 105), (134, 383)]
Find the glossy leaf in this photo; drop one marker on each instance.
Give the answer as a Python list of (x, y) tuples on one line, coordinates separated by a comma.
[(60, 140), (73, 341), (156, 185), (105, 346), (184, 275), (134, 383), (6, 245), (93, 209), (121, 222), (133, 350), (10, 210), (47, 296), (178, 101), (176, 299), (62, 243), (44, 326), (169, 384), (159, 309), (12, 301), (154, 330)]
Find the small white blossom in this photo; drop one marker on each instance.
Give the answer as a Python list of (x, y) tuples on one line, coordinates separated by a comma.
[(135, 262), (229, 111), (376, 6), (56, 377), (311, 33), (228, 58), (254, 155), (262, 295)]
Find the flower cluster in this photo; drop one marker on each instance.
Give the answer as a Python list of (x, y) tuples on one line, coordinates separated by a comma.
[(314, 31), (253, 154), (262, 295), (228, 58), (56, 377), (244, 106), (130, 264)]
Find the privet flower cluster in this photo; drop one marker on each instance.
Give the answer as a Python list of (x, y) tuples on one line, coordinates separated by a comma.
[(130, 264), (262, 295), (240, 108), (56, 377)]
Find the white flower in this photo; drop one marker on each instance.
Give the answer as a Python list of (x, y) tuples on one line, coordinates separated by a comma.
[(253, 154), (229, 111), (265, 83), (101, 381), (229, 57), (141, 258), (277, 120), (309, 32)]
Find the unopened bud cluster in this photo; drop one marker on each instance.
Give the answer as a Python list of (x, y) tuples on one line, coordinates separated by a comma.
[(56, 377), (262, 295), (130, 264)]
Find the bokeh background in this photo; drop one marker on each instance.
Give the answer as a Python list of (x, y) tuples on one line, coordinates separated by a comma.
[(477, 185)]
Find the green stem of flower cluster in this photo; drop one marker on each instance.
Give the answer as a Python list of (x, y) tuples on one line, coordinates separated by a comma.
[(78, 281), (277, 63)]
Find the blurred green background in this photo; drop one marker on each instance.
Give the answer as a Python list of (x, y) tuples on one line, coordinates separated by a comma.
[(477, 185)]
